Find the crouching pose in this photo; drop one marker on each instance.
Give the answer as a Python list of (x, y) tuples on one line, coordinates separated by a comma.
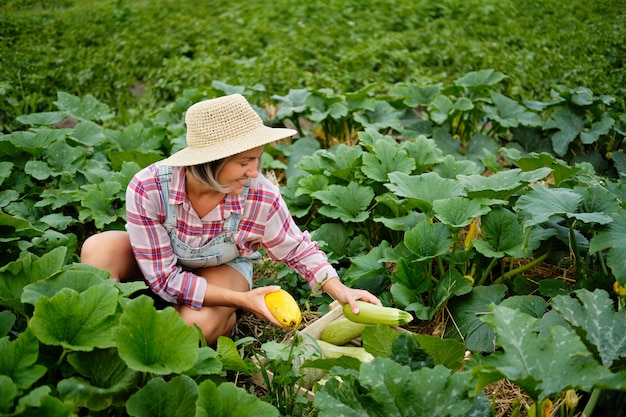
[(196, 220)]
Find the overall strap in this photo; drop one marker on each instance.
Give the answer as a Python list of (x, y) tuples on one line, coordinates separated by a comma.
[(164, 178)]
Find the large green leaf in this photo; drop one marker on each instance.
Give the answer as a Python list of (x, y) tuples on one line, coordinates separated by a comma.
[(482, 78), (509, 113), (39, 402), (613, 237), (424, 151), (27, 269), (598, 200), (541, 366), (87, 108), (229, 400), (18, 360), (229, 356), (446, 352), (402, 223), (501, 185), (383, 384), (467, 311), (155, 341), (293, 104), (347, 203), (78, 280), (501, 234), (428, 240), (560, 169), (597, 129), (105, 381), (334, 239), (35, 143), (42, 118), (366, 265), (425, 188), (385, 158), (207, 363), (416, 95), (452, 283), (128, 138), (596, 322), (568, 125), (542, 203), (450, 167), (65, 159), (174, 398), (342, 161), (77, 321), (96, 205), (378, 340), (406, 351), (5, 170), (458, 212), (38, 169), (7, 320), (383, 116), (88, 133)]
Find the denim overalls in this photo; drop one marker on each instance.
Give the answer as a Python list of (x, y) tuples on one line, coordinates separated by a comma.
[(218, 251)]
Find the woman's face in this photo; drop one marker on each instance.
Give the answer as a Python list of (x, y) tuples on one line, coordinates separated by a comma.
[(239, 168)]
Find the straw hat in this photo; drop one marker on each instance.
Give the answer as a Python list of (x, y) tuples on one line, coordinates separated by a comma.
[(223, 127)]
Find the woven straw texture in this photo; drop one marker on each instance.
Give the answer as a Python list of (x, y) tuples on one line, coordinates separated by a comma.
[(222, 127)]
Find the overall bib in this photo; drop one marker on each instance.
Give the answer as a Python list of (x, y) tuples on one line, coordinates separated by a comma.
[(218, 251)]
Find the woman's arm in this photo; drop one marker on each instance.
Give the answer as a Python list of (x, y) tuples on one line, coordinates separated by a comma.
[(152, 247)]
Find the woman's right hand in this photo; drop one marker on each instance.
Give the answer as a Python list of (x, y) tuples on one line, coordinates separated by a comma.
[(254, 302)]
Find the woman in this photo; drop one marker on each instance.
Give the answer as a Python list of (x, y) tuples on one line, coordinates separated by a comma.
[(197, 219)]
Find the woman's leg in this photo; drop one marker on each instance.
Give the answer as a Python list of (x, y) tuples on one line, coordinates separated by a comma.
[(112, 252), (216, 321)]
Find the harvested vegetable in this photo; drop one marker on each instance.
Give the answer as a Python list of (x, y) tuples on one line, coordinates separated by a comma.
[(373, 314), (283, 306), (341, 331)]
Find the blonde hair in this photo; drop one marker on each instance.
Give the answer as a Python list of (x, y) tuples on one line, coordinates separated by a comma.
[(207, 174)]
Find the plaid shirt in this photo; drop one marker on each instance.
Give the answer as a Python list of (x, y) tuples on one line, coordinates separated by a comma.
[(265, 222)]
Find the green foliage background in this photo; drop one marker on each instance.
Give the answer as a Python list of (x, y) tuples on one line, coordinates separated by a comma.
[(482, 74), (122, 50)]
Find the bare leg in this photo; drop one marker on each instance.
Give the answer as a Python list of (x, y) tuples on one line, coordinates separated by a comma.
[(215, 321), (112, 252)]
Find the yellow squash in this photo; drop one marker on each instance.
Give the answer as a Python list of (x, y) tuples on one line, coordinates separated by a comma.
[(282, 306)]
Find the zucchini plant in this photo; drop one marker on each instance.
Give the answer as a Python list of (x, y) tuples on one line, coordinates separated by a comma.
[(75, 341)]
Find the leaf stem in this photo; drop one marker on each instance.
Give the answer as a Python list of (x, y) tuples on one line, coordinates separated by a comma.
[(486, 272), (62, 358), (591, 404), (521, 269)]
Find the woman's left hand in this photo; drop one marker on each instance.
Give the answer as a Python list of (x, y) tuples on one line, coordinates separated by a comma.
[(346, 295)]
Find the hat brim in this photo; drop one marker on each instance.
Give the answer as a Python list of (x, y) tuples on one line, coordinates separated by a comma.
[(255, 138)]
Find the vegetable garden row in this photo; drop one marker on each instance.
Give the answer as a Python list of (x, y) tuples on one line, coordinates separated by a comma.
[(438, 198)]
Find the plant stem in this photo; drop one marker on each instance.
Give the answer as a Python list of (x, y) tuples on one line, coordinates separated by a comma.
[(602, 263), (486, 272), (441, 267), (61, 358), (574, 245), (521, 269), (591, 404)]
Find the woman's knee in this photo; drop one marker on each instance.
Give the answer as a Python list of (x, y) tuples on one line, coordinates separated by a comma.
[(212, 321), (112, 252)]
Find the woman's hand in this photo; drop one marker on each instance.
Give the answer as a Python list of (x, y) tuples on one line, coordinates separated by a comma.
[(346, 295), (254, 302)]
